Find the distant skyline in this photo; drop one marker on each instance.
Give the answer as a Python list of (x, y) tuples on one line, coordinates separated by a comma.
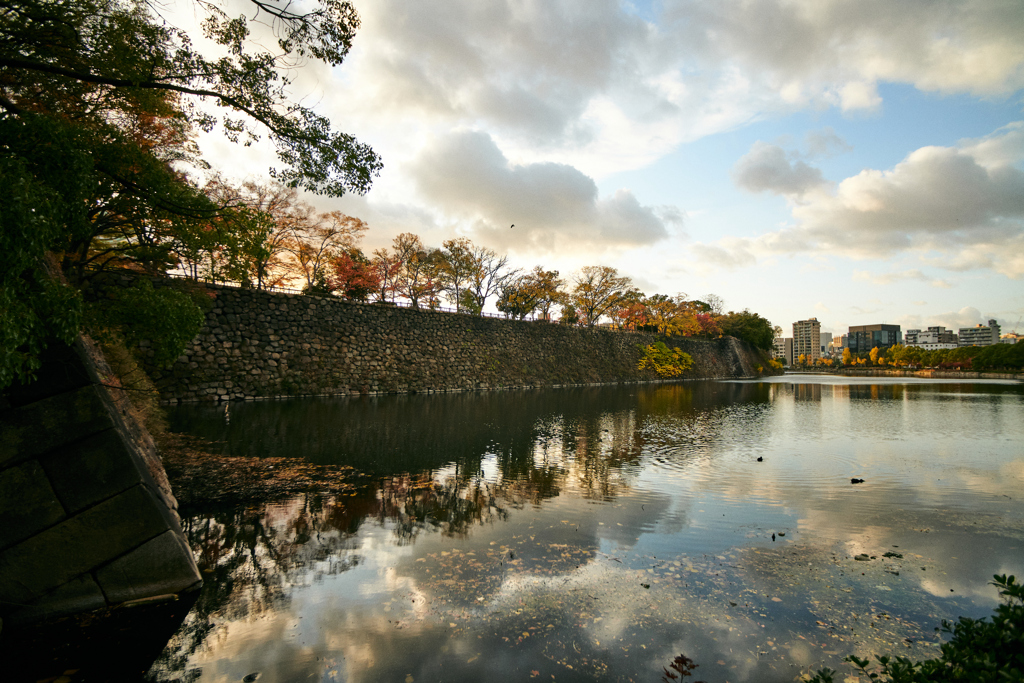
[(856, 162)]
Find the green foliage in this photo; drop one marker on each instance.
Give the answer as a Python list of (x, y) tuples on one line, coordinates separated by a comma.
[(319, 287), (35, 210), (167, 319), (663, 360), (750, 327), (994, 357), (979, 651), (62, 55), (97, 113)]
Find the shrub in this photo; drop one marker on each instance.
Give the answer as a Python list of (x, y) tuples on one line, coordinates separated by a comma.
[(980, 650), (665, 361)]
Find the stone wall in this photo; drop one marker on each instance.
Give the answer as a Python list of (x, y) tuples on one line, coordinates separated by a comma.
[(87, 519), (260, 344)]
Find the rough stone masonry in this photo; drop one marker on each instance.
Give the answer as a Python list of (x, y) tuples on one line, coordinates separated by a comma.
[(259, 344)]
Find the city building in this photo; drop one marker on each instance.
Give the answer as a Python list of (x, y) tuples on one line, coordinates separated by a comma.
[(980, 335), (807, 339), (931, 339), (863, 338), (826, 343), (839, 342), (1009, 338), (784, 349)]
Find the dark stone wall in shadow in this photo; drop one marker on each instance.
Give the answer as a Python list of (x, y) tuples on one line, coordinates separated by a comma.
[(87, 518)]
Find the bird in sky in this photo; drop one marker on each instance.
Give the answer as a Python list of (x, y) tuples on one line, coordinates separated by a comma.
[(511, 226)]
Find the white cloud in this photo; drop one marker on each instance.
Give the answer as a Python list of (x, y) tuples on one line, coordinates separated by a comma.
[(901, 276), (965, 317), (768, 168), (729, 253), (825, 142), (553, 206), (835, 52), (958, 208)]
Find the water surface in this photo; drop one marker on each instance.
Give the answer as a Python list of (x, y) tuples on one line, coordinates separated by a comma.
[(596, 534)]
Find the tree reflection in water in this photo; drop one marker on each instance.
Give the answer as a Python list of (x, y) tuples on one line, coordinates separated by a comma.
[(438, 465)]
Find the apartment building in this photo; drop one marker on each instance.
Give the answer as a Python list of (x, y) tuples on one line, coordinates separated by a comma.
[(783, 347), (807, 339), (931, 339), (980, 335)]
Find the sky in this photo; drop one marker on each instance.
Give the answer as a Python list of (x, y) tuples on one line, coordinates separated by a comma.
[(857, 161)]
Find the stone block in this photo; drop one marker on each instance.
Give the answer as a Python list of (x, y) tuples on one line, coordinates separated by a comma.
[(79, 544), (28, 503), (162, 565), (98, 468), (81, 594), (44, 425)]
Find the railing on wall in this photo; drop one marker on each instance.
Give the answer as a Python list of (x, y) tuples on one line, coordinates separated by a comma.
[(397, 304)]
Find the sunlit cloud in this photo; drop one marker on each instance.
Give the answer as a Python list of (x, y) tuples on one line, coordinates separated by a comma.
[(939, 200), (552, 206), (901, 276)]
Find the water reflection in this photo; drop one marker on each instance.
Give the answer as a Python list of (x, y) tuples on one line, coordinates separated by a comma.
[(598, 533)]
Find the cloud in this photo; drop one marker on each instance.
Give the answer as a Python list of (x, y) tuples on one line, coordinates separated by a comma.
[(958, 208), (729, 253), (835, 52), (528, 68), (825, 142), (892, 278), (767, 168), (965, 317), (553, 206)]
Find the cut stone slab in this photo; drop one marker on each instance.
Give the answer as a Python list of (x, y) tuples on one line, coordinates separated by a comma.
[(78, 595), (98, 468), (28, 504), (162, 565), (97, 536), (42, 426)]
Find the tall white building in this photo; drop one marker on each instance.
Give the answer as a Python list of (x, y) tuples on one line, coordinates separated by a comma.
[(807, 339), (826, 343)]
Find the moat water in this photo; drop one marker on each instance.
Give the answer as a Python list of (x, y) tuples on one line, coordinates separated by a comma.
[(598, 533)]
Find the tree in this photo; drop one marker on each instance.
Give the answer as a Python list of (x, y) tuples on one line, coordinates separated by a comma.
[(98, 99), (68, 56), (630, 309), (548, 287), (456, 266), (517, 298), (750, 327), (354, 276), (673, 316), (715, 304), (847, 356), (258, 228), (315, 242), (386, 271), (873, 354), (417, 275), (595, 290), (488, 278)]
